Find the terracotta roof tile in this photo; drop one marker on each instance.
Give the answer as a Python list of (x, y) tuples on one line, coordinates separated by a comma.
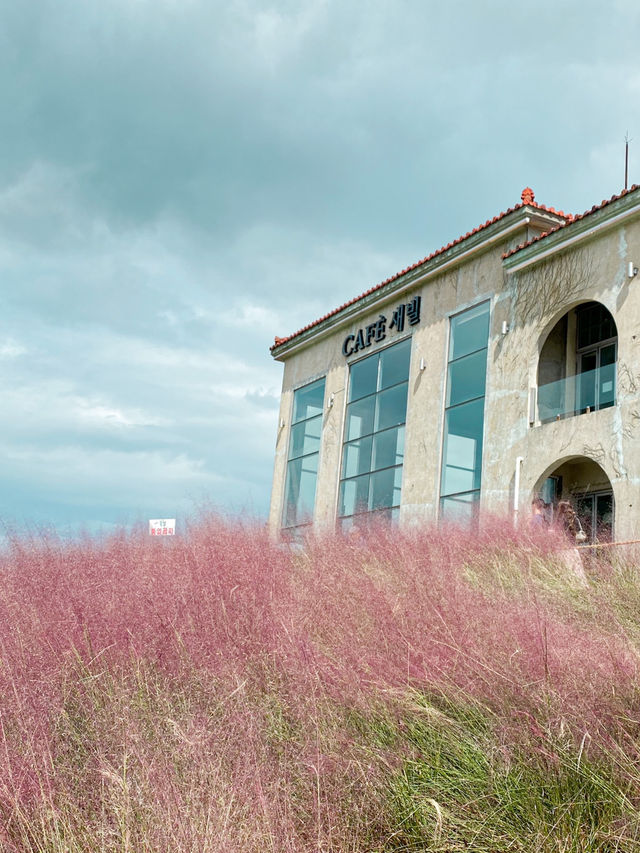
[(526, 192), (569, 221)]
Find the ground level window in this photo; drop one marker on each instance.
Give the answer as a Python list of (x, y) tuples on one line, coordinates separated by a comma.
[(464, 414), (373, 449), (595, 512), (304, 454)]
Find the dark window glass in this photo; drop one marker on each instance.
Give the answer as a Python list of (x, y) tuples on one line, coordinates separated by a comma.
[(595, 324), (354, 495), (461, 509), (374, 432), (305, 437), (363, 378), (596, 381), (467, 378), (394, 364), (595, 512), (357, 457), (362, 521), (385, 488), (587, 381), (300, 492), (463, 448), (604, 518), (304, 452), (308, 401), (391, 406), (360, 417), (464, 415), (388, 448), (469, 331), (607, 377)]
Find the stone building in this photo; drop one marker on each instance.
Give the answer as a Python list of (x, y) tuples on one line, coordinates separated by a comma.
[(503, 366)]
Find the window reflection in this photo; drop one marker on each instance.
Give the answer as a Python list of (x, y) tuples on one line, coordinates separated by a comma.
[(466, 378), (469, 331), (357, 457), (464, 416), (304, 452), (374, 433)]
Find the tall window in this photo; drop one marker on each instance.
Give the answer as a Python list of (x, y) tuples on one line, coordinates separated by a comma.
[(464, 413), (577, 366), (596, 346), (304, 451), (373, 449)]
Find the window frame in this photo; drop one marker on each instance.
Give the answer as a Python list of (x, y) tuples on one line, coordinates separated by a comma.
[(392, 510), (291, 459), (475, 493)]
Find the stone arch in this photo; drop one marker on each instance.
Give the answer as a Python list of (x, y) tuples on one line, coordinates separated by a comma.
[(586, 485)]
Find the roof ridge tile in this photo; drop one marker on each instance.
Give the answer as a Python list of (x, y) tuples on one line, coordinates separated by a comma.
[(570, 219)]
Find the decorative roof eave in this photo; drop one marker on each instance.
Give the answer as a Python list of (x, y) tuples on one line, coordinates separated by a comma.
[(456, 253), (608, 214)]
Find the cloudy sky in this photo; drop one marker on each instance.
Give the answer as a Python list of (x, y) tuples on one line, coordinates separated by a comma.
[(181, 180)]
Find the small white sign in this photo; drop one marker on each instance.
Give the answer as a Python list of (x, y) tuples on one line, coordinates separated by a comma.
[(162, 526)]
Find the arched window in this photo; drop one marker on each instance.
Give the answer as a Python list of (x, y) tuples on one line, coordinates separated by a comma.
[(577, 365)]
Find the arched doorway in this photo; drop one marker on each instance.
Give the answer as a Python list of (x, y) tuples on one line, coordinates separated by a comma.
[(586, 485), (577, 364)]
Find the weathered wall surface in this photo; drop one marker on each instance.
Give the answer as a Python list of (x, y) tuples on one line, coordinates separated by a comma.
[(444, 295), (537, 299), (531, 302)]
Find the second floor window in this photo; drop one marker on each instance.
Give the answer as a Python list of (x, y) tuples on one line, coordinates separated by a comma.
[(577, 366), (373, 450)]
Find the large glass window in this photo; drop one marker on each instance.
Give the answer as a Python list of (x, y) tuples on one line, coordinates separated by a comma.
[(595, 512), (577, 367), (464, 413), (304, 452), (597, 355), (373, 449)]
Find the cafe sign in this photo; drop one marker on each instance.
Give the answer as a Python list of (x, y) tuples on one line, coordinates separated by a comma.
[(407, 312)]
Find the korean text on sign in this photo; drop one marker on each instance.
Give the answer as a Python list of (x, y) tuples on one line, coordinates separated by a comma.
[(162, 526)]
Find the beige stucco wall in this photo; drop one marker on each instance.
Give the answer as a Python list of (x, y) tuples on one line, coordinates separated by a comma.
[(610, 437), (596, 269)]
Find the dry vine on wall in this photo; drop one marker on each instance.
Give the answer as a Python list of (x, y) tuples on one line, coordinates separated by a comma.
[(550, 286)]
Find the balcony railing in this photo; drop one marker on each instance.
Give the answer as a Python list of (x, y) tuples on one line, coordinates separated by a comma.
[(576, 395)]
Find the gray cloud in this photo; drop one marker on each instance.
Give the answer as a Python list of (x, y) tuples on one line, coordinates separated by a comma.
[(181, 181)]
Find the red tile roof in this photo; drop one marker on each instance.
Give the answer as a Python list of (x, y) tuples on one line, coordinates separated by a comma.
[(528, 200), (569, 221)]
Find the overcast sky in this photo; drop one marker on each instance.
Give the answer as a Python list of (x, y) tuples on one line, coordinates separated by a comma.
[(181, 180)]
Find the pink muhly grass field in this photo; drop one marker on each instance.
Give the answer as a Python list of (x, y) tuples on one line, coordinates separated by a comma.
[(206, 692)]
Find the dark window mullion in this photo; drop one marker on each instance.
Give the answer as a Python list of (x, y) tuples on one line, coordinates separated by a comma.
[(375, 393), (370, 512), (374, 432), (592, 347), (304, 420), (304, 456), (459, 494), (466, 355), (464, 402), (387, 428), (369, 472), (359, 438)]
